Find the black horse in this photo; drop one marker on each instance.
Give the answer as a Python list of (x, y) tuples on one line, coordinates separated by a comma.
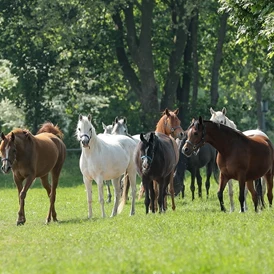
[(156, 157), (205, 158)]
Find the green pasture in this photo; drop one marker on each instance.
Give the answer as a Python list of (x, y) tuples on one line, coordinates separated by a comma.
[(195, 238)]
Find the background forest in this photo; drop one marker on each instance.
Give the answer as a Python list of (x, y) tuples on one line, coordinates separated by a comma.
[(60, 58)]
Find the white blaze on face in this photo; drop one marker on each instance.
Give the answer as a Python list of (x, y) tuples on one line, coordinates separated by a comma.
[(5, 164)]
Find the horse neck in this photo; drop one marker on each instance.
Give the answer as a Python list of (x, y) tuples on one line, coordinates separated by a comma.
[(230, 123), (161, 126), (217, 135)]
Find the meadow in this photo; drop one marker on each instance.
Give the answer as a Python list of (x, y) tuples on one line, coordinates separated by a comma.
[(195, 238)]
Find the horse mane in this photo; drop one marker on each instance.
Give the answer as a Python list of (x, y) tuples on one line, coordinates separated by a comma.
[(50, 128), (226, 128)]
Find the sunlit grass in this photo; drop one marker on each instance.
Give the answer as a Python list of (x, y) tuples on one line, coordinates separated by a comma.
[(195, 238)]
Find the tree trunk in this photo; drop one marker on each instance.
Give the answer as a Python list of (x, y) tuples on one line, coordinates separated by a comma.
[(217, 60), (183, 91), (181, 20), (258, 86), (194, 39)]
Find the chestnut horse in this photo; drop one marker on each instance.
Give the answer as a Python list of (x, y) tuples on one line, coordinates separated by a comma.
[(156, 157), (242, 158), (30, 157)]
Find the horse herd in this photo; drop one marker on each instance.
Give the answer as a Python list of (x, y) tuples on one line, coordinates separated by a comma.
[(159, 157)]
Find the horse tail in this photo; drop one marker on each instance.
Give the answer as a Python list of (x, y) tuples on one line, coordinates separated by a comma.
[(50, 128), (124, 197)]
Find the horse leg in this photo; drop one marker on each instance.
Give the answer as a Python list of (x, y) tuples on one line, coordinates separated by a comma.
[(117, 194), (153, 191), (230, 194), (48, 187), (258, 188), (146, 184), (88, 186), (132, 180), (100, 184), (183, 190), (171, 190), (269, 180), (250, 187), (242, 186), (192, 185), (209, 169), (156, 195), (141, 191), (108, 191), (199, 182), (22, 191), (21, 214), (222, 184), (161, 196)]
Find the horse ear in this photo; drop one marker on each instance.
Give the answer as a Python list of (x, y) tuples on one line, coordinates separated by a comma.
[(151, 137), (104, 126), (176, 111), (201, 120), (142, 137), (125, 120), (89, 117), (80, 117), (3, 136), (224, 111), (212, 111), (166, 112), (12, 137)]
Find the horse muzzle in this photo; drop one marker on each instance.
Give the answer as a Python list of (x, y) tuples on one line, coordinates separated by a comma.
[(187, 151), (6, 166)]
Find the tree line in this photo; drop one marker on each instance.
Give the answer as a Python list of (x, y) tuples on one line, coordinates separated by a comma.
[(135, 58)]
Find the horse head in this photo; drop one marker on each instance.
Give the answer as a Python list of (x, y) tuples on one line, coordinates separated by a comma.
[(148, 143), (107, 128), (8, 151), (120, 126), (170, 124), (218, 116), (84, 130), (195, 137)]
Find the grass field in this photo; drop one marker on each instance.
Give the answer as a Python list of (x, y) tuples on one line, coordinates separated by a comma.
[(195, 238)]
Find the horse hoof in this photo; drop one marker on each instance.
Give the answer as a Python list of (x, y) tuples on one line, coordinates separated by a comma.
[(20, 223)]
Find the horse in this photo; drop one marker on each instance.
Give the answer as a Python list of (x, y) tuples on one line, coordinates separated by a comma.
[(205, 158), (156, 157), (120, 129), (31, 156), (105, 157), (240, 157), (220, 117)]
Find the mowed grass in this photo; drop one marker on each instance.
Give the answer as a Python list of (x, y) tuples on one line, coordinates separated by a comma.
[(195, 238)]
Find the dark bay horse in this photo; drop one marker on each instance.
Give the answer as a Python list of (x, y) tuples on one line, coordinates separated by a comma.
[(240, 157), (205, 158), (29, 157), (156, 157)]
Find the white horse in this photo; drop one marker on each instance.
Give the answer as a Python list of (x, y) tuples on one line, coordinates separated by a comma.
[(105, 157), (220, 117), (121, 130)]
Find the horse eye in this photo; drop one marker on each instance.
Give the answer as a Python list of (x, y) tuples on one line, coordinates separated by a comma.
[(196, 133), (78, 128), (90, 129)]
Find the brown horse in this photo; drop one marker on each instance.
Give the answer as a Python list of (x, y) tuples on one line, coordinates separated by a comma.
[(170, 125), (240, 157), (156, 157), (30, 157)]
